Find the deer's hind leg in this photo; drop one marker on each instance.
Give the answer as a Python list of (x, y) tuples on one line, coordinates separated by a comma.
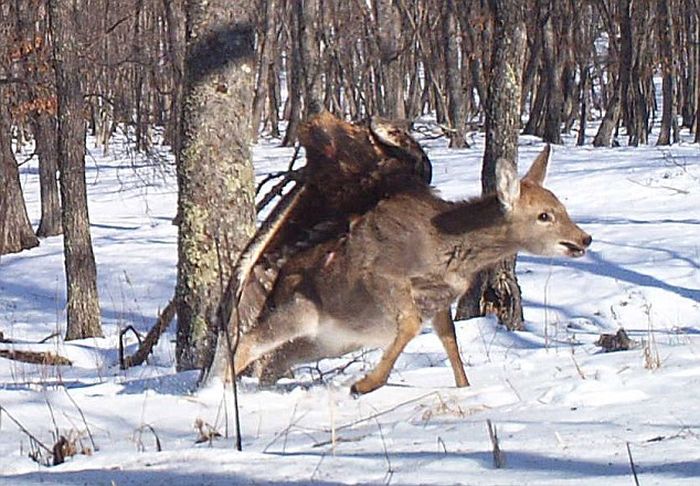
[(297, 318), (408, 327), (445, 328)]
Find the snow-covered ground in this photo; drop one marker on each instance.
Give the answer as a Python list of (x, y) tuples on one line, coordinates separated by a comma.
[(564, 412)]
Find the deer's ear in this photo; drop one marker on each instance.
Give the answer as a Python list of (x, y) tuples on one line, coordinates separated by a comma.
[(538, 169), (507, 184)]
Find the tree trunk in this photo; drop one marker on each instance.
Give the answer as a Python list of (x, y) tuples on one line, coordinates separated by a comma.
[(307, 13), (455, 98), (45, 139), (175, 48), (583, 100), (389, 33), (669, 121), (496, 290), (82, 309), (16, 232), (215, 174), (697, 71), (552, 75), (603, 138), (294, 82), (266, 52)]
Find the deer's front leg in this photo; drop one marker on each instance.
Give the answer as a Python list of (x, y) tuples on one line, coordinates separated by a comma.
[(445, 328), (409, 326)]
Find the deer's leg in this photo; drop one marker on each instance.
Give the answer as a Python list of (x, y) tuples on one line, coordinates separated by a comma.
[(409, 326), (279, 363), (297, 318), (445, 328)]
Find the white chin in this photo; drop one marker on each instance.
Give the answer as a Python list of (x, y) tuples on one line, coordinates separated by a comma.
[(571, 252)]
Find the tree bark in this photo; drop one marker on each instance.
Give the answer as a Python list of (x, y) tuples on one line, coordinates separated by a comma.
[(215, 174), (82, 309), (455, 97), (697, 71), (669, 122), (603, 137), (264, 65), (389, 39), (16, 232), (496, 290), (552, 75), (294, 82), (45, 139)]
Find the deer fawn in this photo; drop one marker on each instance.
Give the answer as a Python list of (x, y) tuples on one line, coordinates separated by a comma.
[(401, 264)]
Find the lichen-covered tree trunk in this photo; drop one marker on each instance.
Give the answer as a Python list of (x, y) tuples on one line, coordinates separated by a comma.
[(82, 309), (16, 232), (215, 174), (496, 289)]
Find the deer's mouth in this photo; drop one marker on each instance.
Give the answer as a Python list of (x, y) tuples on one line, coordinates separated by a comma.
[(573, 250)]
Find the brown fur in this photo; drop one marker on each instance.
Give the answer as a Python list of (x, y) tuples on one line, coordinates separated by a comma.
[(399, 265)]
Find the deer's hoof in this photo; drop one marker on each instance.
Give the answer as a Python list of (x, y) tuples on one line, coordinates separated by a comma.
[(365, 385)]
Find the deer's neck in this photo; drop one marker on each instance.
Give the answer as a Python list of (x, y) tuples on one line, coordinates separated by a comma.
[(473, 235)]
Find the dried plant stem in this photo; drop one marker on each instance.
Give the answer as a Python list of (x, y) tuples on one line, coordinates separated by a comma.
[(21, 427), (499, 458), (82, 416), (632, 466)]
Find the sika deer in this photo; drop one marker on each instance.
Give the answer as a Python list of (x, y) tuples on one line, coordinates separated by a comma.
[(399, 265)]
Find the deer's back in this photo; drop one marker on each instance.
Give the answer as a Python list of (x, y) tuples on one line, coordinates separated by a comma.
[(388, 261)]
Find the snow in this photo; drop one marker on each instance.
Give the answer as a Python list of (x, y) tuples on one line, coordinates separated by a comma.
[(564, 412)]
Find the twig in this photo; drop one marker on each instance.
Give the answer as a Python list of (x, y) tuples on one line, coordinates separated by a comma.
[(634, 468), (53, 417), (122, 333), (153, 431), (384, 412), (578, 368), (499, 459), (231, 350), (318, 467), (389, 469), (285, 432), (668, 188), (290, 176), (25, 431), (82, 416), (50, 336), (441, 442)]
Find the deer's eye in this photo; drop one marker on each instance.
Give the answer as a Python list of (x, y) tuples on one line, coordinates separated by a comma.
[(545, 217)]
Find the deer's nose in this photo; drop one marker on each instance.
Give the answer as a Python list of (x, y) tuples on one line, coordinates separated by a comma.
[(587, 240)]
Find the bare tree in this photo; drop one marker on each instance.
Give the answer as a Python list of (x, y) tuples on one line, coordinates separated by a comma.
[(669, 120), (15, 229), (83, 309), (455, 105), (16, 232), (496, 290), (215, 174)]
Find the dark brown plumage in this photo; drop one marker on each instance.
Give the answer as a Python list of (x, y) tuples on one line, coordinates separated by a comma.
[(349, 169)]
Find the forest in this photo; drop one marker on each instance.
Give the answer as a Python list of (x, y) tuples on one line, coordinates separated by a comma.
[(144, 145)]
